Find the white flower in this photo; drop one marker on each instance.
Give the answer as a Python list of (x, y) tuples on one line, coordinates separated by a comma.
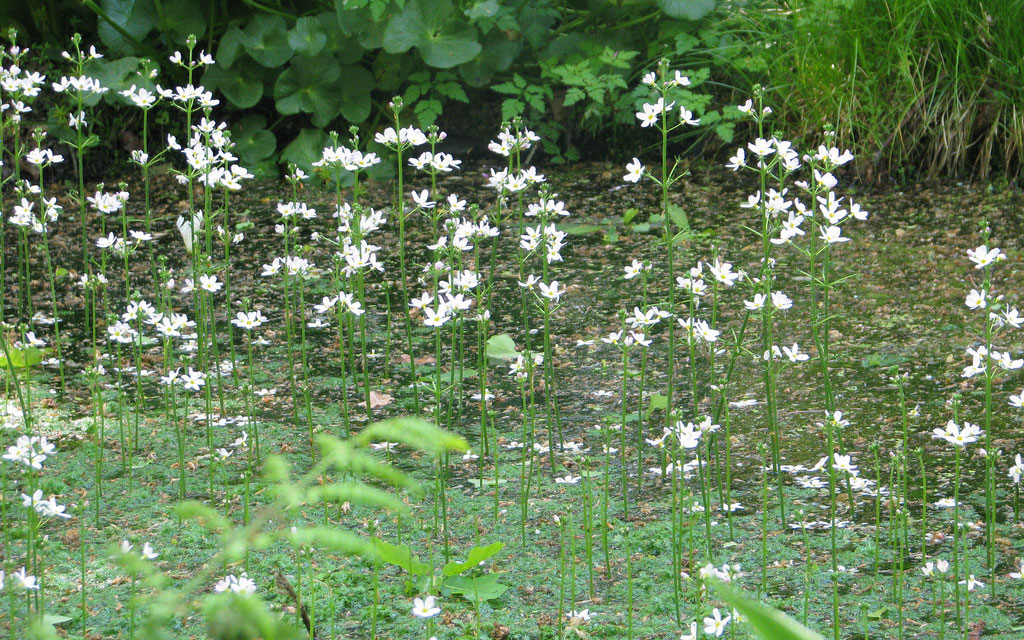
[(781, 301), (761, 147), (982, 256), (235, 584), (551, 291), (422, 199), (425, 607), (27, 582), (972, 582), (210, 283), (737, 161), (634, 171), (794, 354), (757, 303), (833, 234), (976, 299), (715, 625)]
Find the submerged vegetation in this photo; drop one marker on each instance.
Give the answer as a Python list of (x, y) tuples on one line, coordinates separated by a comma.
[(419, 408)]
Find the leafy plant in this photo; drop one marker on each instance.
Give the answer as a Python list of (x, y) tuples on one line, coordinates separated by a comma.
[(768, 623), (564, 68)]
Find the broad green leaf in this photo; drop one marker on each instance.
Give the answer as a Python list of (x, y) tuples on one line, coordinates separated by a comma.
[(334, 539), (357, 83), (498, 54), (359, 23), (484, 9), (266, 40), (689, 9), (230, 616), (357, 493), (501, 347), (115, 74), (455, 44), (580, 228), (21, 358), (484, 587), (184, 17), (253, 141), (768, 623), (136, 17), (400, 556), (53, 619), (240, 85), (231, 45), (657, 402), (443, 41), (415, 432), (306, 148), (476, 556), (204, 514), (346, 48), (310, 85), (308, 36), (414, 24)]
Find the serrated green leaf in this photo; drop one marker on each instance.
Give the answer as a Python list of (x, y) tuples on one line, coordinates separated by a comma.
[(572, 96), (507, 88), (511, 107), (266, 40), (678, 217), (476, 556), (452, 90), (726, 131), (308, 36), (501, 347), (689, 9)]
